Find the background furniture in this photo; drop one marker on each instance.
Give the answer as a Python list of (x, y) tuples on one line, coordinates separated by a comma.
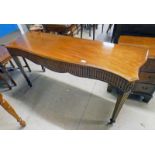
[(5, 57), (60, 28), (89, 27), (11, 111), (35, 27), (146, 30), (109, 27), (84, 58), (145, 86)]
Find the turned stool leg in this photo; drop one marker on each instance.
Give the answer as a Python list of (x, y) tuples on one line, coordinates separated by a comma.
[(11, 111)]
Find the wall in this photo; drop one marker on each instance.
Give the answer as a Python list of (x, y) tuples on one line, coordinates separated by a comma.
[(6, 29)]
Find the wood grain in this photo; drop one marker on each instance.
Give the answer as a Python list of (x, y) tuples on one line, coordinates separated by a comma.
[(124, 61)]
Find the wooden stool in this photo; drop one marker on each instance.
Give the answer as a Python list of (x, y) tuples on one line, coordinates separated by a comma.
[(11, 111)]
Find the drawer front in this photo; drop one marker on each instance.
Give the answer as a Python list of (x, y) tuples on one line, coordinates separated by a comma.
[(147, 77), (144, 88), (149, 66)]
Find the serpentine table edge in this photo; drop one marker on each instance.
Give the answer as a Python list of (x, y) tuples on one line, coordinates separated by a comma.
[(122, 84)]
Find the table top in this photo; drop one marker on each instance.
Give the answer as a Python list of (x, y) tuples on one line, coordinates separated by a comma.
[(124, 61), (145, 42)]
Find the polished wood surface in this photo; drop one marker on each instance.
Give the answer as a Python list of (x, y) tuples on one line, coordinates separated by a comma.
[(4, 103), (85, 58), (106, 56), (145, 42)]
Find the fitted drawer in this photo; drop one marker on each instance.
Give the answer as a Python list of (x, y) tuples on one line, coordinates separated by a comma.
[(144, 88), (147, 77), (149, 66)]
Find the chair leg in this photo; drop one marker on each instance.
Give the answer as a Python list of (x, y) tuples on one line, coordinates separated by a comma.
[(7, 74), (94, 27), (26, 64), (102, 27), (81, 30), (11, 111), (109, 27), (89, 27), (13, 66), (6, 82)]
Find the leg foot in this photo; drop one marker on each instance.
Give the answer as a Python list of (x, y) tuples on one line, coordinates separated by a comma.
[(147, 98), (109, 89), (22, 122), (111, 122), (43, 68)]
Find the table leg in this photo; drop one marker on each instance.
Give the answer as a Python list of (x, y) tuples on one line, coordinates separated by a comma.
[(43, 68), (13, 66), (16, 59), (11, 111), (94, 28), (109, 27), (81, 30), (120, 101), (7, 74), (89, 27), (26, 64), (102, 27)]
